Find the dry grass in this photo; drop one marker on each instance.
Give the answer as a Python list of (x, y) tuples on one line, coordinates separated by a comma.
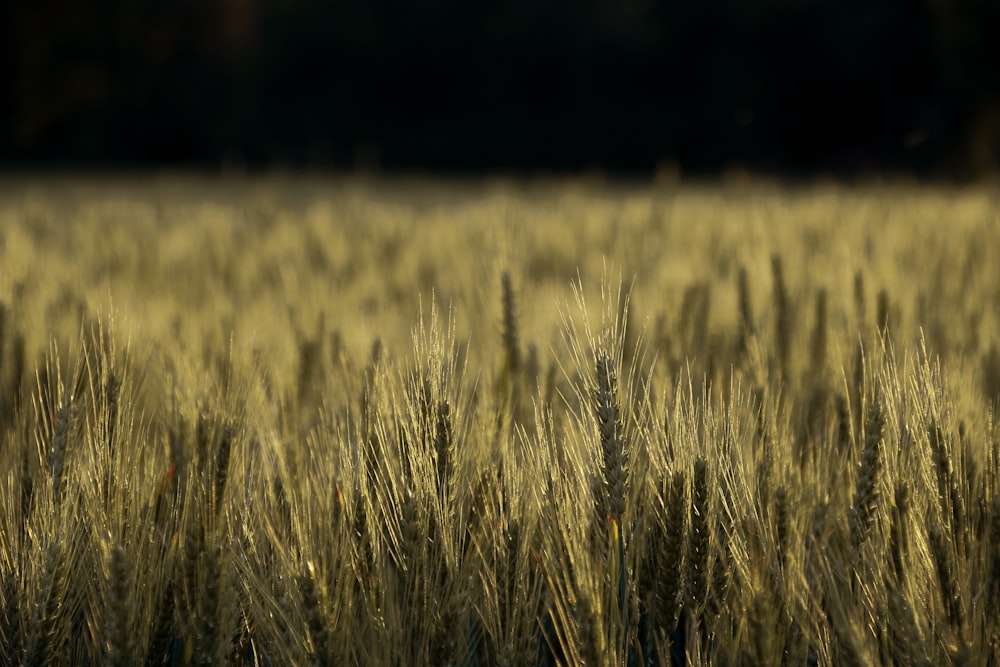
[(347, 423)]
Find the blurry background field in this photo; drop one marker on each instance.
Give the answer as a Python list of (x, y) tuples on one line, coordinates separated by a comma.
[(264, 260), (358, 421)]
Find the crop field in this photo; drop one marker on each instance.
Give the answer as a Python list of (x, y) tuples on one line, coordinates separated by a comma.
[(286, 421)]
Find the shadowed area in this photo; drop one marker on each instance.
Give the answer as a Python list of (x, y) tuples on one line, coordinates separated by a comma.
[(626, 86)]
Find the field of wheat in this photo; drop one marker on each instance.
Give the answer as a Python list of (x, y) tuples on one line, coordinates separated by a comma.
[(297, 421)]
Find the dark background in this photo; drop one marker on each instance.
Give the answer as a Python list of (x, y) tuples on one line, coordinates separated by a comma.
[(839, 87)]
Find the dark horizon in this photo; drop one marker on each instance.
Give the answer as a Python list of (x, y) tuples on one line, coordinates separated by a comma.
[(623, 87)]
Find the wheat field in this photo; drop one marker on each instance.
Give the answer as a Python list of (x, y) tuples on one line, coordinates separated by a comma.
[(294, 421)]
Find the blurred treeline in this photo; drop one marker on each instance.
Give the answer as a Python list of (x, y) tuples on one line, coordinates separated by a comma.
[(827, 86)]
